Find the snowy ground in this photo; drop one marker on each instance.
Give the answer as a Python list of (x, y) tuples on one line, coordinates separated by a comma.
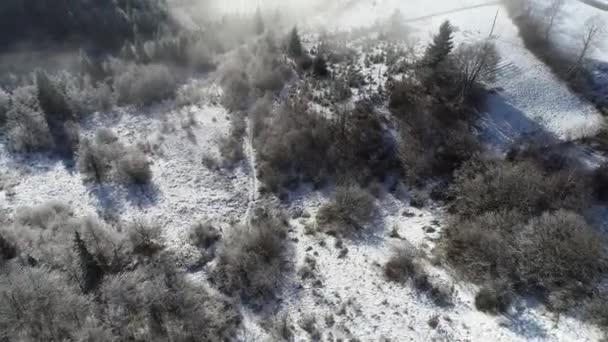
[(184, 191), (350, 286)]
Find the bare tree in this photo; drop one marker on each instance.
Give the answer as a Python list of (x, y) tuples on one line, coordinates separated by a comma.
[(552, 12), (476, 62), (592, 33)]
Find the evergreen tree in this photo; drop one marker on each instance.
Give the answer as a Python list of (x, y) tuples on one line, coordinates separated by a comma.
[(442, 45), (259, 22), (319, 66), (52, 101), (92, 273), (294, 47)]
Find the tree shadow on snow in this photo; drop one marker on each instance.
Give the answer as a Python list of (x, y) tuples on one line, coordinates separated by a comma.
[(143, 196), (501, 125)]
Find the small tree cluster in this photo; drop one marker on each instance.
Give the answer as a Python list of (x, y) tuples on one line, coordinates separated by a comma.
[(520, 224), (79, 279), (104, 158), (349, 211), (254, 258)]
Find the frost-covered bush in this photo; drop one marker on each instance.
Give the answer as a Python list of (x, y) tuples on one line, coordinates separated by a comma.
[(145, 237), (204, 234), (39, 304), (45, 235), (295, 144), (143, 84), (96, 157), (350, 210), (254, 258), (492, 185), (134, 168), (495, 298), (27, 128), (157, 303), (402, 265), (548, 252), (83, 95), (237, 90)]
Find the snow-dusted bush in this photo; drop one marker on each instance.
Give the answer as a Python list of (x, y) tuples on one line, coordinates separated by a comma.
[(145, 237), (45, 234), (402, 265), (204, 234), (157, 303), (83, 95), (27, 128), (96, 157), (548, 252), (143, 84), (350, 210), (134, 168), (231, 147), (494, 298), (580, 257), (485, 185), (237, 90), (295, 144), (39, 304), (254, 258)]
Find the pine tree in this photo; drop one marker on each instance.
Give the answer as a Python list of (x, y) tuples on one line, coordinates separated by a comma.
[(295, 45), (259, 22), (92, 273), (52, 101), (442, 45)]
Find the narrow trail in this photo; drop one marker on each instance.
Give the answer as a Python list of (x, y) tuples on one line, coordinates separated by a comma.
[(253, 177)]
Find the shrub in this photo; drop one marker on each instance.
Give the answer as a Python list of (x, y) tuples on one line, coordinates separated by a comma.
[(294, 145), (96, 158), (49, 215), (402, 265), (38, 304), (28, 130), (550, 252), (45, 233), (156, 303), (204, 235), (145, 237), (350, 209), (561, 248), (143, 84), (236, 90), (254, 259), (492, 185), (134, 168), (495, 298), (482, 246)]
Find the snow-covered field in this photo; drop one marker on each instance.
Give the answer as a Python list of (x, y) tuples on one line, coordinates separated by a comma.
[(351, 287)]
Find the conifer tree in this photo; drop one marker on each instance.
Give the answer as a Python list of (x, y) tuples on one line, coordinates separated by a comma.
[(259, 22), (91, 271), (442, 45), (295, 45)]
